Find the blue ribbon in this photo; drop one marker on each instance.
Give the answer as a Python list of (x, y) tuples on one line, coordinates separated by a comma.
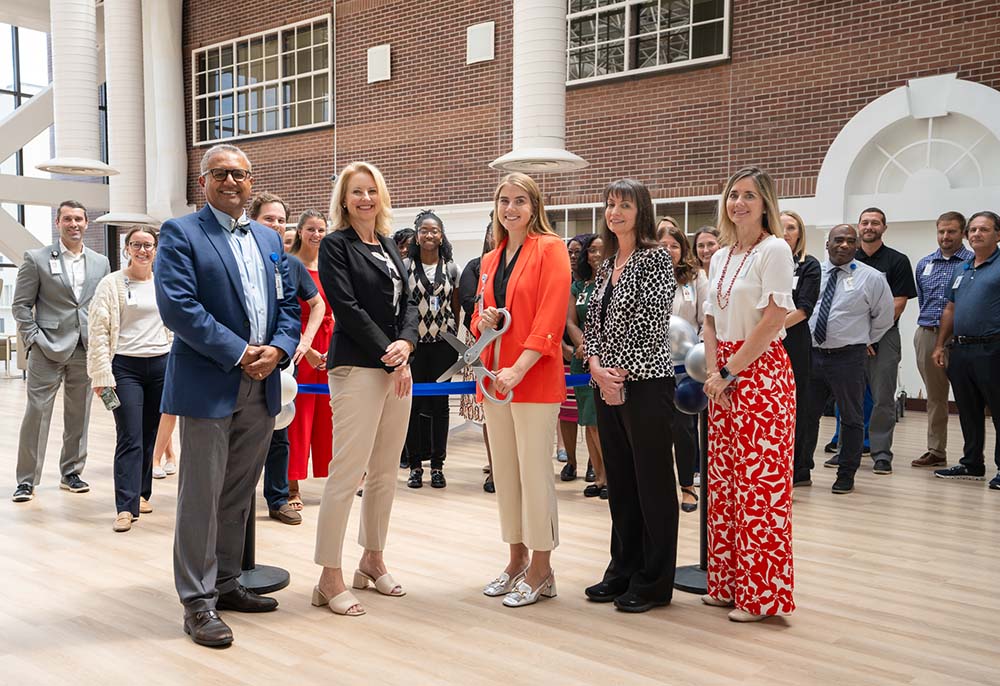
[(451, 387)]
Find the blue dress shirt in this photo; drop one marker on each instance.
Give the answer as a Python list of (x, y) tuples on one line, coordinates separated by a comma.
[(253, 274), (862, 309)]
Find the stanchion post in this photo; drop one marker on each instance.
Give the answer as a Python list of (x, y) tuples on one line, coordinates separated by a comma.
[(259, 578), (694, 578)]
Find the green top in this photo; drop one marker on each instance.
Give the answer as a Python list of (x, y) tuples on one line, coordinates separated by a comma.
[(581, 292)]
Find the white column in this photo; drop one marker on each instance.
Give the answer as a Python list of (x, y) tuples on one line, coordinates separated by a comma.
[(74, 86), (539, 90), (126, 123), (166, 136)]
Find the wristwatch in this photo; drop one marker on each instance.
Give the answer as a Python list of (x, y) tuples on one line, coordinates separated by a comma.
[(726, 374)]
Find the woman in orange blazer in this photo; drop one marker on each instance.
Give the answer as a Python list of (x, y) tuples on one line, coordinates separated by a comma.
[(528, 274)]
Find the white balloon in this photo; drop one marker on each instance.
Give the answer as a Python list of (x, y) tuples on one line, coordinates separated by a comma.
[(682, 337), (694, 363), (289, 388), (284, 417)]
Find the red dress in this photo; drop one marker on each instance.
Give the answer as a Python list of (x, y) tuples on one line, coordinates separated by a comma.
[(312, 427)]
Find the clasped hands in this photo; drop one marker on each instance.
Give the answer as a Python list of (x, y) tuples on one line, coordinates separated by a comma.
[(718, 389), (609, 379), (260, 360), (397, 355)]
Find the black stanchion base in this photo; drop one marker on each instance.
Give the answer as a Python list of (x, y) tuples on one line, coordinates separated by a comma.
[(690, 579), (264, 579)]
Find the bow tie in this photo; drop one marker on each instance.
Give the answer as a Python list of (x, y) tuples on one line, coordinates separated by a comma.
[(242, 225)]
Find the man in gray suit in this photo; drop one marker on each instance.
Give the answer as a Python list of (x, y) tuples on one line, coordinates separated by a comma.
[(51, 299)]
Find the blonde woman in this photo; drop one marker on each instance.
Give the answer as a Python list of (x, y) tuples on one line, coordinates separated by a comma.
[(798, 340), (751, 391), (528, 274), (364, 280), (127, 352)]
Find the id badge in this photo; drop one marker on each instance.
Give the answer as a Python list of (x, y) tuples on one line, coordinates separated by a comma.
[(56, 267), (277, 284), (435, 303), (795, 282), (688, 292), (928, 268), (958, 280), (849, 283)]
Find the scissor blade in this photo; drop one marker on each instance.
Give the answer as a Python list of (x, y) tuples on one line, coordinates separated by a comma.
[(452, 371), (455, 342)]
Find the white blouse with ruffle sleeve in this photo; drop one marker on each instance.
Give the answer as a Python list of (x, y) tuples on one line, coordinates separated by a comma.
[(766, 274)]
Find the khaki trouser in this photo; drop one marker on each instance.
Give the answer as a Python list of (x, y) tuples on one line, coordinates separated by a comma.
[(936, 381), (521, 444), (369, 429)]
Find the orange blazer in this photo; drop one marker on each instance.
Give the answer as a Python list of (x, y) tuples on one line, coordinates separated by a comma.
[(537, 298)]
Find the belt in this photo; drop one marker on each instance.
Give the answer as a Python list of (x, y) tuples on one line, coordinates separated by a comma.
[(842, 349), (930, 328), (973, 340)]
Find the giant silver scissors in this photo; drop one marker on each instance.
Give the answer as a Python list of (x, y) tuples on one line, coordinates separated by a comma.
[(469, 356)]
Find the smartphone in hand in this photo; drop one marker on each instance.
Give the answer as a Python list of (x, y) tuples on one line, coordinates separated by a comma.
[(110, 399)]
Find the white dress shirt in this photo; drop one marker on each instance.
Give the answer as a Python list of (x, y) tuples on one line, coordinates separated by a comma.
[(76, 269)]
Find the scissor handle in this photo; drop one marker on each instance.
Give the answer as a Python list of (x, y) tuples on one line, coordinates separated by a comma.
[(505, 314), (489, 396)]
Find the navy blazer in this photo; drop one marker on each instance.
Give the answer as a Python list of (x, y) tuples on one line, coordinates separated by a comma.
[(200, 297), (360, 291)]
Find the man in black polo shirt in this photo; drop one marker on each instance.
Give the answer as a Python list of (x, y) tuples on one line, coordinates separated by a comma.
[(883, 367), (973, 316)]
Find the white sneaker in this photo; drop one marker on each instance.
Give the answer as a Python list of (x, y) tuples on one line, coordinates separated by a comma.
[(159, 472), (169, 467)]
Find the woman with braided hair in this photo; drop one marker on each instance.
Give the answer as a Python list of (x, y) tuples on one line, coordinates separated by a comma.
[(433, 279)]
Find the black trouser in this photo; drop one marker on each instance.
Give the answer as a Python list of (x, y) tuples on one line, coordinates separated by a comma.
[(276, 470), (685, 433), (841, 373), (139, 388), (798, 345), (974, 372), (427, 436), (636, 441)]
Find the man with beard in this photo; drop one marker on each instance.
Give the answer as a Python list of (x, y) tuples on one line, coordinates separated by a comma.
[(883, 366), (935, 273)]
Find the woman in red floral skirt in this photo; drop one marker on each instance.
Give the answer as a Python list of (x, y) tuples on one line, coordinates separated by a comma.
[(751, 429)]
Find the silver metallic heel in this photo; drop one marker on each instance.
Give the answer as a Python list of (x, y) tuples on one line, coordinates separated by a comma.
[(523, 594), (503, 584)]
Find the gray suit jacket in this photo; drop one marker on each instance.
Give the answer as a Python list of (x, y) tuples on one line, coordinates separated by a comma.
[(47, 313)]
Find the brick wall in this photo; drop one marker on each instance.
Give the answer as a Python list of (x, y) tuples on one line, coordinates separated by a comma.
[(800, 69)]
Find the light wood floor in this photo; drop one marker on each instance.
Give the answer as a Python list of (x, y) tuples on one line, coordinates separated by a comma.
[(895, 584)]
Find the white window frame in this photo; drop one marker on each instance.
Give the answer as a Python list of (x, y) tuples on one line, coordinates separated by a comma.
[(276, 82), (627, 4), (596, 209)]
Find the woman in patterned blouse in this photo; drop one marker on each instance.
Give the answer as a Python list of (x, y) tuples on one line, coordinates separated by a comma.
[(628, 352), (434, 283)]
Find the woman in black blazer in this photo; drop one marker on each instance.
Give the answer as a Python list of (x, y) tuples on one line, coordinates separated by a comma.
[(363, 277), (798, 340)]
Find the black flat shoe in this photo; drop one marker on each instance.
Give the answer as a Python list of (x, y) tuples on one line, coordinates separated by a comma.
[(630, 602), (592, 491), (603, 592), (437, 479), (416, 479), (604, 492), (488, 486), (590, 477), (689, 507), (568, 473)]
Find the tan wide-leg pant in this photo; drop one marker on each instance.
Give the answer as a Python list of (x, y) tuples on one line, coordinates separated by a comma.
[(521, 443), (370, 427), (936, 381)]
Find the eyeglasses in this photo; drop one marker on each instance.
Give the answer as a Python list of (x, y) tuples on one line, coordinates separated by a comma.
[(139, 247), (430, 232), (221, 174)]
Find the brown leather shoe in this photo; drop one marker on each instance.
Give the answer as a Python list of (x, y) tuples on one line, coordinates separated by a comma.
[(929, 459), (286, 515), (242, 599), (208, 629)]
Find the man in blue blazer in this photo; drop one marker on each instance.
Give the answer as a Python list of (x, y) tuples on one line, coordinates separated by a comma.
[(222, 287)]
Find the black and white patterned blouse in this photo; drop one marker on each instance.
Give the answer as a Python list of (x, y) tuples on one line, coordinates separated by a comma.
[(630, 331), (433, 293)]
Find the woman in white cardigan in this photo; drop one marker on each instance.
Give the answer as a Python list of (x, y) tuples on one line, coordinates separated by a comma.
[(127, 352)]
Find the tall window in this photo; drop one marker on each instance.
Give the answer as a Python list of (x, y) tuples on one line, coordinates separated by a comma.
[(274, 81), (610, 38)]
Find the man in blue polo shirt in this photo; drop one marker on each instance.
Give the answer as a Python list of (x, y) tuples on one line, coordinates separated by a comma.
[(973, 317), (935, 274)]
